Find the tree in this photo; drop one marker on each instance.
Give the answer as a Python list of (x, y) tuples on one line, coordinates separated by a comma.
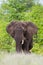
[(13, 8)]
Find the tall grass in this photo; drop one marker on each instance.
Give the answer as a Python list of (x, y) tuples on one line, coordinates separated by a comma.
[(21, 59)]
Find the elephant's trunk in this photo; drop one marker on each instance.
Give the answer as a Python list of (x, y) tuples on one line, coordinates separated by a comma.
[(19, 41)]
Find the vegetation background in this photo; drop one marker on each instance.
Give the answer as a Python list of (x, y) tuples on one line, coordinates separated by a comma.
[(25, 10)]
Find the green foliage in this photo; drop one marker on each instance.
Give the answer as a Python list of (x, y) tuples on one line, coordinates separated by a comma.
[(6, 42), (13, 8), (37, 48)]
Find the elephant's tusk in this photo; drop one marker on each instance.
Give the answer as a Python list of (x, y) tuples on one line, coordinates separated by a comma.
[(22, 41)]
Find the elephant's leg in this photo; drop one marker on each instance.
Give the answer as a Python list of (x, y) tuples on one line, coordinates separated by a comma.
[(31, 44), (25, 46), (18, 47)]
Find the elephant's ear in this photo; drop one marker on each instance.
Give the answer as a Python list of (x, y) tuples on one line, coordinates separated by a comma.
[(31, 28), (10, 28)]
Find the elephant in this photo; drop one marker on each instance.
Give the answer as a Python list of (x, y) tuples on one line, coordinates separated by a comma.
[(23, 33)]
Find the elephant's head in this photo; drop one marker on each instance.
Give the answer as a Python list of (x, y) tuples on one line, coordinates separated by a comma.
[(16, 30)]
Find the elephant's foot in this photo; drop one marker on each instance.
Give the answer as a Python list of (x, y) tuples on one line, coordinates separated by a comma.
[(29, 51)]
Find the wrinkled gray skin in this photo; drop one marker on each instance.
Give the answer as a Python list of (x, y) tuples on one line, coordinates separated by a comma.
[(23, 33)]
